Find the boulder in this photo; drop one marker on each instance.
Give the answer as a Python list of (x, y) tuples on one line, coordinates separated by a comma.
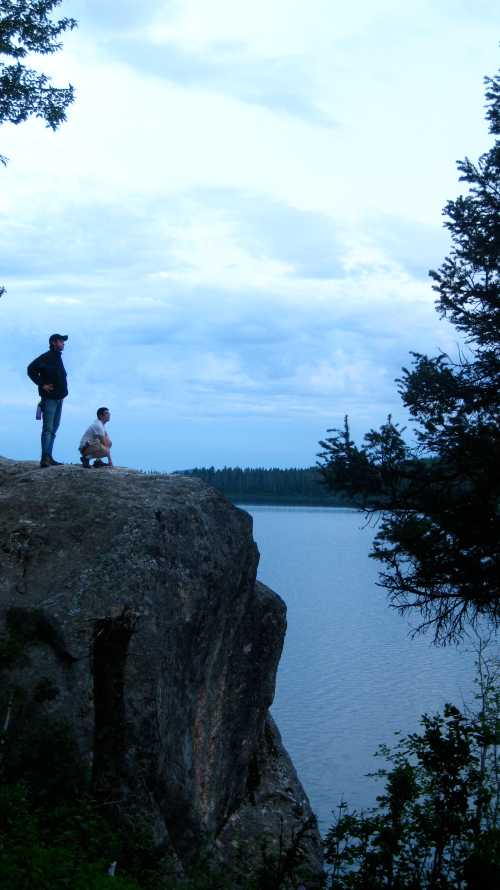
[(130, 613)]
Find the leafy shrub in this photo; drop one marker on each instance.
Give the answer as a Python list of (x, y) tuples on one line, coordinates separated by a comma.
[(30, 858), (436, 825)]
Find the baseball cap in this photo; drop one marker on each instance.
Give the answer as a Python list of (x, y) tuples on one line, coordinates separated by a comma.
[(57, 337)]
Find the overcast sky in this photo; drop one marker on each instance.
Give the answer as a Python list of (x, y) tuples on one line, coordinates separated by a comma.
[(235, 225)]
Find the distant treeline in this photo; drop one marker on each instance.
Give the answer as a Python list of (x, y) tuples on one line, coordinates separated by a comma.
[(257, 485)]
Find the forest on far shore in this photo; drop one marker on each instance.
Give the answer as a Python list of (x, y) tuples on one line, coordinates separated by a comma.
[(256, 485)]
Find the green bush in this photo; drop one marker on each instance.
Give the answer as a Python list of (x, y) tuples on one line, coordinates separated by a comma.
[(435, 827), (48, 853)]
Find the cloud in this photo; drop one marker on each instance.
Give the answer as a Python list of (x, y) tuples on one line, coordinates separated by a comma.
[(417, 246), (112, 18), (281, 84), (236, 222), (61, 301), (309, 243), (86, 240), (224, 301)]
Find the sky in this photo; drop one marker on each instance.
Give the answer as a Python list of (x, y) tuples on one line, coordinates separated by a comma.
[(235, 224)]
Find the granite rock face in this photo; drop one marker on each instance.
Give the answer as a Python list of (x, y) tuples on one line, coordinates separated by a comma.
[(136, 601)]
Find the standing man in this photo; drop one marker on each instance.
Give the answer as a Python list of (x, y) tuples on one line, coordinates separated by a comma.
[(49, 374)]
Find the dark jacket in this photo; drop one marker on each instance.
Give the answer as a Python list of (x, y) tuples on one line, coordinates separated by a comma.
[(49, 368)]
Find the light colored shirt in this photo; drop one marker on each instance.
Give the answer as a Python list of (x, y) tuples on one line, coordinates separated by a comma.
[(95, 431)]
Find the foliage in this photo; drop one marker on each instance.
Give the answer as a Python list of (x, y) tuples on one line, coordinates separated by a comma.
[(259, 485), (436, 825), (26, 28), (284, 868), (72, 845), (54, 833), (201, 879), (45, 758), (440, 499), (60, 852)]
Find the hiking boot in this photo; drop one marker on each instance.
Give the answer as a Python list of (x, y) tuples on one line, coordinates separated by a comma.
[(55, 463), (98, 463), (45, 461), (85, 462)]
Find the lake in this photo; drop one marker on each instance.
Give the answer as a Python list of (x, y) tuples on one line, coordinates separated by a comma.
[(350, 675)]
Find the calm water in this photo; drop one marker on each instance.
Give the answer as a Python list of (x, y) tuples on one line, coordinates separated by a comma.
[(350, 676)]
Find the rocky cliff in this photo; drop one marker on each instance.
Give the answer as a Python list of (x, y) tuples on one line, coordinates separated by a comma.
[(130, 613)]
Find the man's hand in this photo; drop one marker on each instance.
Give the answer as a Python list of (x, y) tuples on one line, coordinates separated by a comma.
[(48, 387)]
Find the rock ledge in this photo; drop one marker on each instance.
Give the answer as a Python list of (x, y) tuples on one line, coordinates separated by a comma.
[(136, 600)]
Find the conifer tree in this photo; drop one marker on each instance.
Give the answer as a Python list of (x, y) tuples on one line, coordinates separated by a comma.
[(25, 28), (438, 542)]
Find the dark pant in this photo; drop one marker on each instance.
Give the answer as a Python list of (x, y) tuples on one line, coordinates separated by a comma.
[(51, 413)]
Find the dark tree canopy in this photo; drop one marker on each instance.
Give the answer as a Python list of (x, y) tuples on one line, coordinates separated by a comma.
[(439, 533), (26, 27), (259, 484)]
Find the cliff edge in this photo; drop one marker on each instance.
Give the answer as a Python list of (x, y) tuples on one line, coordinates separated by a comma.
[(130, 613)]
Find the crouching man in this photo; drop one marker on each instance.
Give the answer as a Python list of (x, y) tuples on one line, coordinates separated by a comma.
[(95, 441)]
